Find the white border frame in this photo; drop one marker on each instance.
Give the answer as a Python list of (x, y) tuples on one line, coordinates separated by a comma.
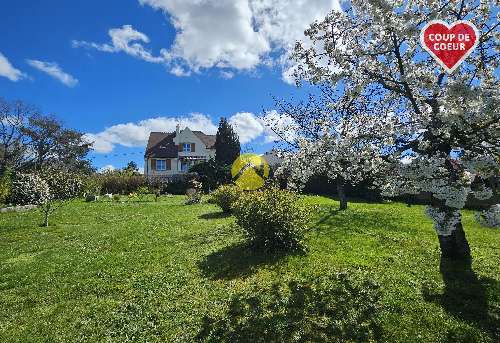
[(449, 26)]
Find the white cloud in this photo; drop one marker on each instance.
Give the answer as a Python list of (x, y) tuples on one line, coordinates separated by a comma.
[(250, 127), (8, 71), (247, 126), (213, 33), (136, 134), (282, 123), (55, 71), (179, 71), (289, 69), (227, 34), (226, 75), (99, 142), (128, 40)]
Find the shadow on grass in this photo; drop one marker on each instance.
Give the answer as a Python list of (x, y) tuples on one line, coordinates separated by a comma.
[(350, 199), (325, 308), (214, 215), (358, 220), (465, 297), (238, 260)]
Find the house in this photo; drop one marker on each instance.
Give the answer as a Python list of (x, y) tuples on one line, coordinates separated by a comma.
[(272, 158), (169, 154)]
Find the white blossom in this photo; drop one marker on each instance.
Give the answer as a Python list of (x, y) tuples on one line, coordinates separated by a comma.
[(447, 124), (490, 217)]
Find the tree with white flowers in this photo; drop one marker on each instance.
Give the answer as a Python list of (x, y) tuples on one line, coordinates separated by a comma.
[(445, 125), (330, 140), (48, 189)]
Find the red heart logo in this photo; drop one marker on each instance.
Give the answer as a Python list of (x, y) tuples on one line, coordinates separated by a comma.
[(449, 44)]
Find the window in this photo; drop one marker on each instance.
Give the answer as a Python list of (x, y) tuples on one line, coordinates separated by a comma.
[(184, 166), (161, 165), (186, 147)]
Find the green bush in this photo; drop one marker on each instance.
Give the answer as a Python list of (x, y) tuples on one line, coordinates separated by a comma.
[(5, 186), (273, 219), (331, 308), (157, 186), (92, 185), (212, 174), (225, 196), (120, 183), (177, 187)]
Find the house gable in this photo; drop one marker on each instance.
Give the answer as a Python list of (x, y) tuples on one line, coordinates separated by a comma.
[(201, 142), (161, 145)]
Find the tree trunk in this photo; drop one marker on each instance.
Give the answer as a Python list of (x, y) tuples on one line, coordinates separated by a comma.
[(451, 234), (341, 193), (46, 219), (46, 213)]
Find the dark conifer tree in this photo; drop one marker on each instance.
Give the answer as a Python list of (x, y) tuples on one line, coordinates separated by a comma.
[(227, 143)]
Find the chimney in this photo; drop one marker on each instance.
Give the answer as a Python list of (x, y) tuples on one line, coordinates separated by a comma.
[(177, 130)]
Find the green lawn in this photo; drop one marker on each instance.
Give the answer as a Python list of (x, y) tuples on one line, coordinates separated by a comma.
[(150, 271)]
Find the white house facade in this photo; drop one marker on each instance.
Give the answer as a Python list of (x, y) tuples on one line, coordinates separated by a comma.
[(170, 154)]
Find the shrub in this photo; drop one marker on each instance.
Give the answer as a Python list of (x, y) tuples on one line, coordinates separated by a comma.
[(331, 308), (5, 185), (92, 185), (212, 174), (273, 219), (178, 187), (225, 196), (121, 183), (157, 186), (194, 193)]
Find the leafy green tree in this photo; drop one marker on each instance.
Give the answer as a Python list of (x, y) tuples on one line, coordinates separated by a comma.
[(52, 145), (227, 143), (212, 174), (131, 168)]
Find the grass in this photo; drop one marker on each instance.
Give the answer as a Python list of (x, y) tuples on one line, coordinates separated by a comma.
[(142, 271)]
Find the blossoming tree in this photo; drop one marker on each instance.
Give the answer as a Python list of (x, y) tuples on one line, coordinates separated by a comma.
[(329, 139), (48, 189), (446, 125)]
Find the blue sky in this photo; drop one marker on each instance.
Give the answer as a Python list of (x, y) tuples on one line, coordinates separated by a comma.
[(117, 68)]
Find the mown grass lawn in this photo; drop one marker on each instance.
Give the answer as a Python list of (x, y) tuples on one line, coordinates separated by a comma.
[(150, 271)]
